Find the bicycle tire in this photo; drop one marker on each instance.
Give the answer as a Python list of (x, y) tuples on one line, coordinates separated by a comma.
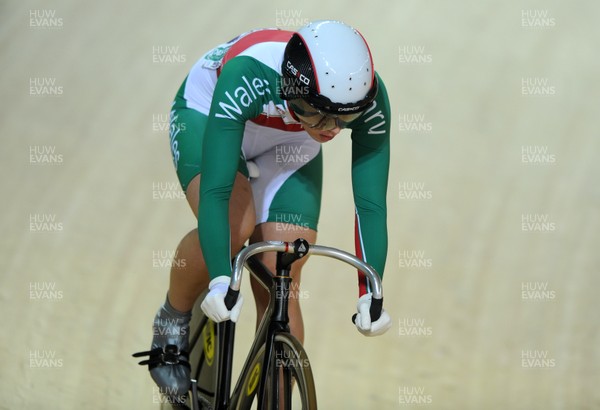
[(292, 356)]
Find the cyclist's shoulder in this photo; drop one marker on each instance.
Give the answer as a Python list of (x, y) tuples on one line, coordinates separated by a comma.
[(377, 118), (249, 66), (261, 49)]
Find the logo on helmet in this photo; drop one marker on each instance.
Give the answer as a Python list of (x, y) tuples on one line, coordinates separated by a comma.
[(346, 109), (296, 73)]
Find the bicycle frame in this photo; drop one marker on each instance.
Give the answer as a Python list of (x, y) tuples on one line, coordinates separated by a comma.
[(275, 319), (225, 334)]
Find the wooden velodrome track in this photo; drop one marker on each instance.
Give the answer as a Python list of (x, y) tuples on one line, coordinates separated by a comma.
[(492, 274)]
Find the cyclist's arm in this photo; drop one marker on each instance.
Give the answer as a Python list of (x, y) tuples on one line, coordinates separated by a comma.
[(229, 111), (370, 166)]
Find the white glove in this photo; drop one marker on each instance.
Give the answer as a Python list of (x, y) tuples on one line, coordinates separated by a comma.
[(213, 304), (363, 318)]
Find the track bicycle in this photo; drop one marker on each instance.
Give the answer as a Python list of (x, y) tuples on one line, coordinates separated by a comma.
[(276, 373)]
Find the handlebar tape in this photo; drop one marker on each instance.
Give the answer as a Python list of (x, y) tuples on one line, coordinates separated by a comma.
[(231, 298), (374, 311)]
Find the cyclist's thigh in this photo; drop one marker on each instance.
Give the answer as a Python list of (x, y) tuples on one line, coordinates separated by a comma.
[(187, 130), (288, 190), (287, 194)]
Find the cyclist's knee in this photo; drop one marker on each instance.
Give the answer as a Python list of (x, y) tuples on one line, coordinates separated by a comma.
[(192, 194), (241, 233), (247, 227)]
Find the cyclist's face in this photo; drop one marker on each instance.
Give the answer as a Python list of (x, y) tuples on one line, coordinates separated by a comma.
[(311, 117), (321, 135)]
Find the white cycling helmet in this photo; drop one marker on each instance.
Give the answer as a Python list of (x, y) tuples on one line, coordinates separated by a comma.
[(327, 69)]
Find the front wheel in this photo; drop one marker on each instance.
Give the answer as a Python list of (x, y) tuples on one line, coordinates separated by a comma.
[(289, 384)]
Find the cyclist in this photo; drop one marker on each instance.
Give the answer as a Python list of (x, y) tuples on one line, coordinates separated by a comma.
[(246, 129)]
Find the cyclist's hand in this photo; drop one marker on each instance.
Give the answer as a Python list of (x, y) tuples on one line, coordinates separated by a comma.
[(363, 318), (213, 304)]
